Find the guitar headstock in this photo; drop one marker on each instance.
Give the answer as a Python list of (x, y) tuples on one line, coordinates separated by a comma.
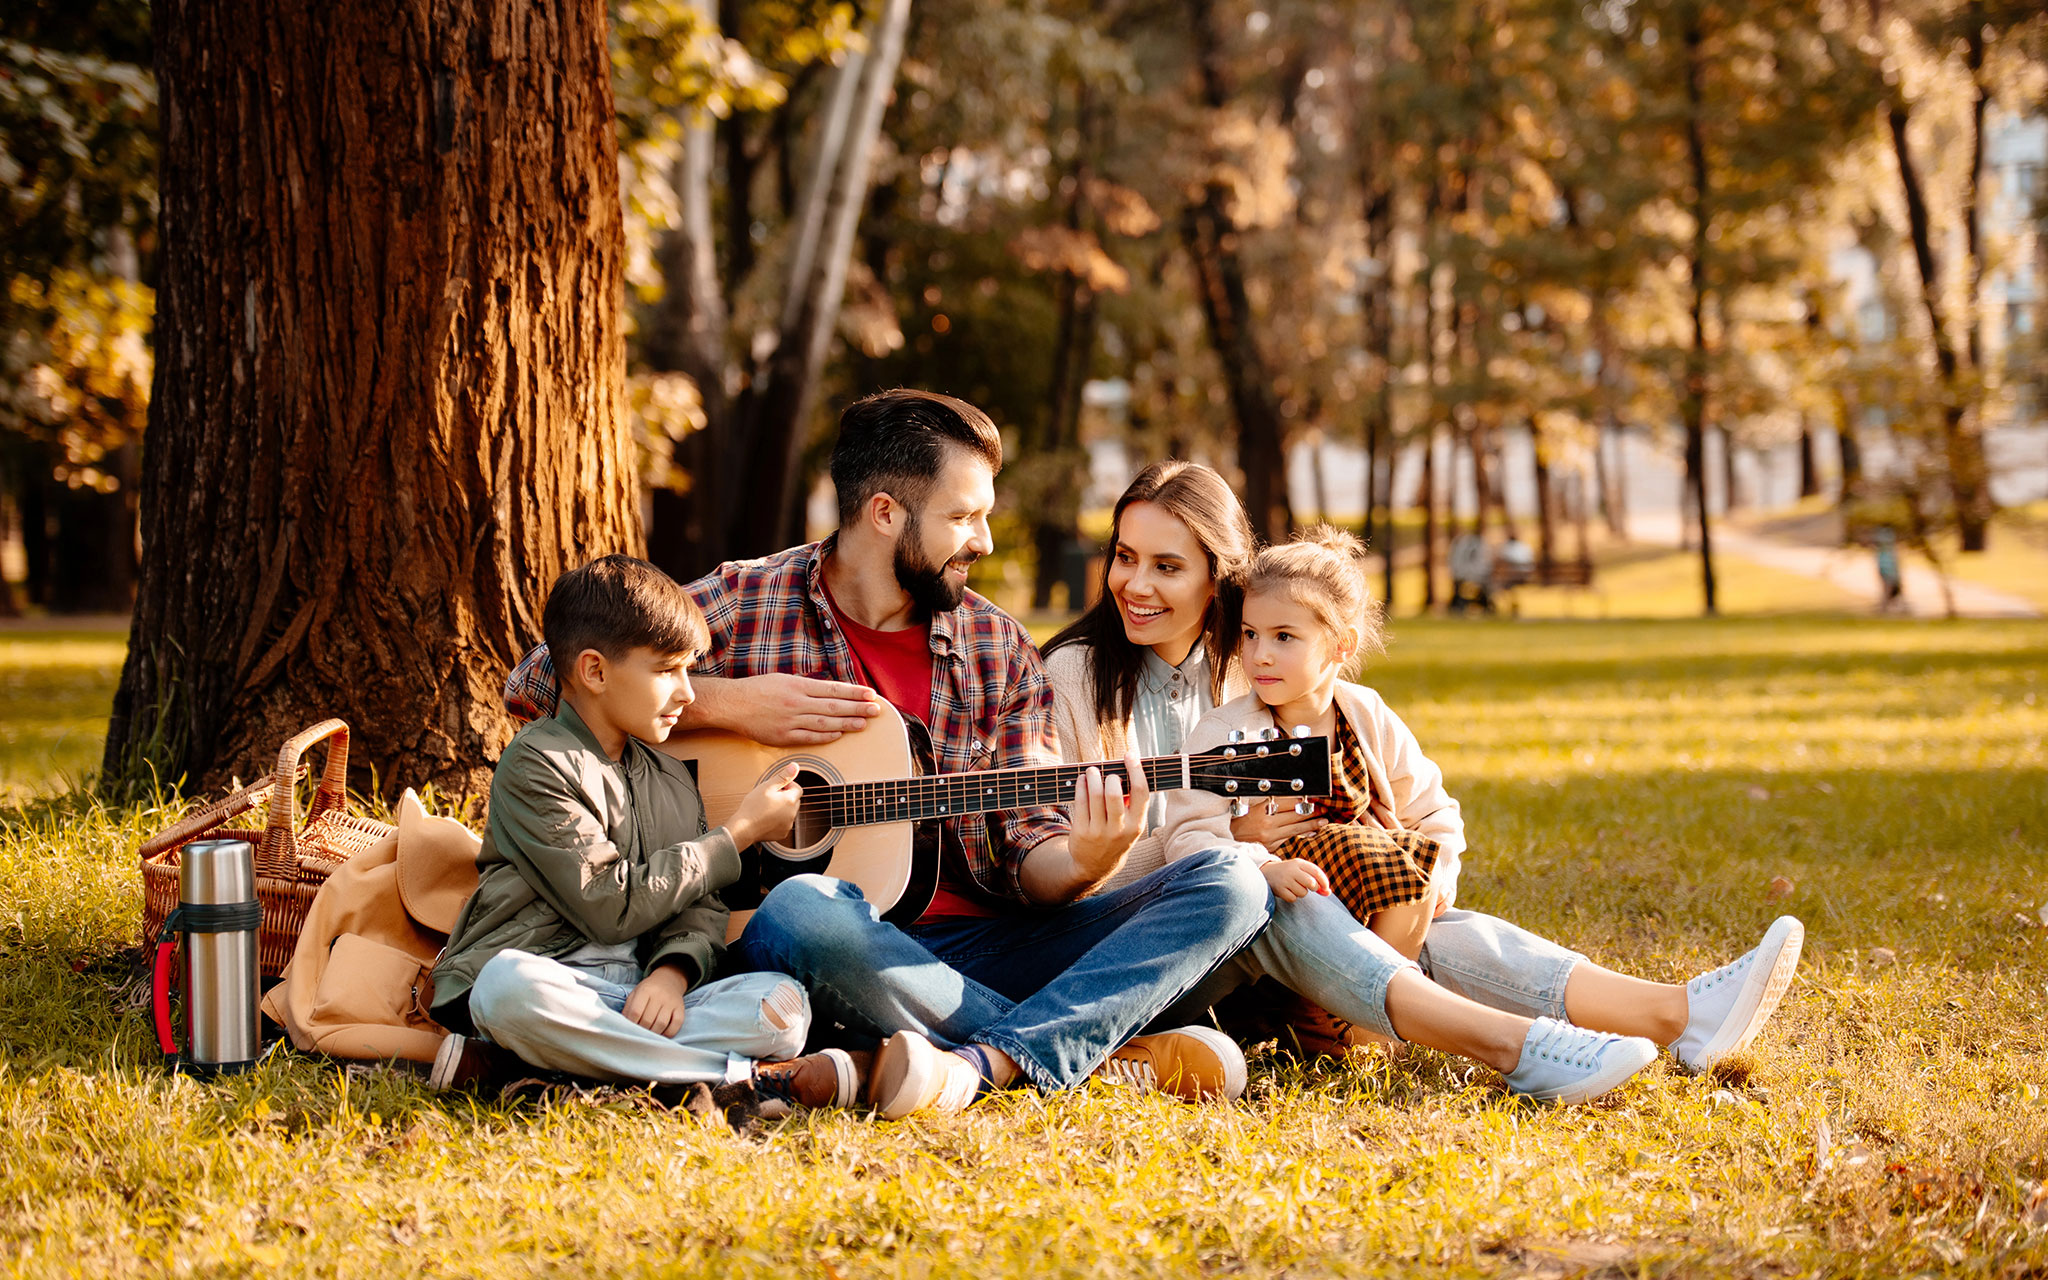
[(1267, 766)]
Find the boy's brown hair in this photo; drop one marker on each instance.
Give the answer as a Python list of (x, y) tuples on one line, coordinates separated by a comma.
[(616, 604)]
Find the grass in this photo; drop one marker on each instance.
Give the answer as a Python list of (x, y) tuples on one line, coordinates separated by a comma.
[(1633, 789), (57, 687)]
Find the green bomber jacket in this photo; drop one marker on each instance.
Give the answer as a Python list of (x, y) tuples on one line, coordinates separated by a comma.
[(580, 848)]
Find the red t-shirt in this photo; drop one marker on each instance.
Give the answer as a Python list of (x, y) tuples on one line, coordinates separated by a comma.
[(898, 665)]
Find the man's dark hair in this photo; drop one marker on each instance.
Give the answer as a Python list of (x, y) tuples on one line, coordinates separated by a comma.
[(895, 442), (616, 604)]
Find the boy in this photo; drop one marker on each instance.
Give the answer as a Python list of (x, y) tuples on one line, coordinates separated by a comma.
[(590, 944)]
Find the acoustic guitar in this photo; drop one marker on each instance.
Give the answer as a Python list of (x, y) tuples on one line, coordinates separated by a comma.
[(869, 798)]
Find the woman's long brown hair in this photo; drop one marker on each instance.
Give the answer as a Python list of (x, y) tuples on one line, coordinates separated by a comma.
[(1197, 497)]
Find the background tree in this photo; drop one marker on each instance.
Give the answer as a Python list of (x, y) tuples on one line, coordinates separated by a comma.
[(77, 237), (387, 408)]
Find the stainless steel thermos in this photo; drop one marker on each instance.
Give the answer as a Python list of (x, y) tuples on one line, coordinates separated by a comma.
[(218, 916)]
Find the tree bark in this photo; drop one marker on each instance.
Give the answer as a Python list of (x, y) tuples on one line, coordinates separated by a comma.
[(1809, 474), (687, 333), (1546, 506), (388, 399), (1693, 404), (817, 284), (1429, 517), (1967, 474), (1210, 238)]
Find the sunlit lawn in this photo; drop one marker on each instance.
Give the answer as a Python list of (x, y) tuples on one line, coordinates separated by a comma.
[(1632, 788), (56, 688)]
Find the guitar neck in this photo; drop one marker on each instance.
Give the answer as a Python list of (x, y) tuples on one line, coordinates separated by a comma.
[(946, 795)]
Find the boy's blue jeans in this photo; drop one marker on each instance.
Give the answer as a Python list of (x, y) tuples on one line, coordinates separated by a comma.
[(567, 1017), (1058, 989)]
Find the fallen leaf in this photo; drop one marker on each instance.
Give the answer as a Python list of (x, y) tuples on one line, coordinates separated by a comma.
[(1759, 793), (1824, 788), (2043, 913), (1880, 957), (1781, 887)]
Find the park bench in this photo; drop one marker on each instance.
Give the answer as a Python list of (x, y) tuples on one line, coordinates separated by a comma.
[(1576, 574)]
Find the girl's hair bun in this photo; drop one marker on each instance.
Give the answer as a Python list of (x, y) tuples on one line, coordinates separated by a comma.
[(1324, 569)]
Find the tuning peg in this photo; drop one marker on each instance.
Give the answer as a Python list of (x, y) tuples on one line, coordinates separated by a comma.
[(1237, 735), (1240, 807), (1268, 733), (1294, 784), (1265, 784), (1304, 807), (1230, 785), (1303, 731)]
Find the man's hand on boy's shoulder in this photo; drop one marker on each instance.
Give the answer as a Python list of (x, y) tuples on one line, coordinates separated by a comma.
[(784, 710), (657, 1002)]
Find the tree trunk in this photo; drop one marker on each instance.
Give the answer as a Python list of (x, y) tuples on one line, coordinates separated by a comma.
[(1809, 476), (1967, 474), (1546, 509), (817, 284), (1211, 241), (1608, 478), (387, 409), (1693, 404), (1731, 498), (1429, 514), (686, 333)]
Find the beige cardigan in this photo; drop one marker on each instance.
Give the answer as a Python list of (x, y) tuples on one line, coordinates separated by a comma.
[(1083, 738), (1198, 820)]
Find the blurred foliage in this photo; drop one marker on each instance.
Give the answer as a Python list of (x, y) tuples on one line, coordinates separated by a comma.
[(1503, 187)]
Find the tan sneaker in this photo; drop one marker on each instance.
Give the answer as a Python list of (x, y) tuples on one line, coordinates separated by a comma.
[(829, 1078), (1194, 1064), (913, 1074)]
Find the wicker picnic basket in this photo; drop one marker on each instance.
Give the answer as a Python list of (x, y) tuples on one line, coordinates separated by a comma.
[(292, 861)]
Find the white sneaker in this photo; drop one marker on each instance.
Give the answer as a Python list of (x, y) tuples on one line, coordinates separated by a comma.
[(913, 1074), (1725, 1008), (1564, 1063)]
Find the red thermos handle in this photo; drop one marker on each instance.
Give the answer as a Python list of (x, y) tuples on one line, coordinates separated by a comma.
[(160, 983)]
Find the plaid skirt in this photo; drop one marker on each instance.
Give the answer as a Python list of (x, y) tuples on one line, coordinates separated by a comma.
[(1370, 868)]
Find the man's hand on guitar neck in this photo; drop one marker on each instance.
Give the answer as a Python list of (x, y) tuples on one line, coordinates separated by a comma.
[(781, 710), (1105, 823)]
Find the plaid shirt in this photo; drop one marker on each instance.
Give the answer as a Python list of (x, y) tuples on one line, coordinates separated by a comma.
[(991, 699)]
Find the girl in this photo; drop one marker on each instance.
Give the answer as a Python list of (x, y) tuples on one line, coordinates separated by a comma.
[(1555, 1024)]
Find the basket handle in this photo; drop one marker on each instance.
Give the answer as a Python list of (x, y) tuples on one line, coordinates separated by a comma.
[(276, 853), (206, 819)]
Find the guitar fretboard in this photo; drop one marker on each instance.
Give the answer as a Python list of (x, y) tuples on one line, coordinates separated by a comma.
[(950, 794)]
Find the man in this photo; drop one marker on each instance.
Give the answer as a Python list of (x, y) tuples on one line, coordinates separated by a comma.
[(1014, 972)]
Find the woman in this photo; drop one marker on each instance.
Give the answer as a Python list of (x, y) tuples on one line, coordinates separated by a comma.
[(1177, 536), (1147, 660)]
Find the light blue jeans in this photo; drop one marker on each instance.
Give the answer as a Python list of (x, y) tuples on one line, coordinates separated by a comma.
[(1318, 950), (1058, 990), (567, 1017)]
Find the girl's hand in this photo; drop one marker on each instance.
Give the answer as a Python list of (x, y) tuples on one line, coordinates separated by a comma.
[(1293, 878), (1272, 821)]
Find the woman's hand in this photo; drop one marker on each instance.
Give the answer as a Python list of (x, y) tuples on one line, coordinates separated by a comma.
[(1272, 821), (1293, 878)]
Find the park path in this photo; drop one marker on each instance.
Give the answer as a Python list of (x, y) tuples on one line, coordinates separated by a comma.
[(1852, 569)]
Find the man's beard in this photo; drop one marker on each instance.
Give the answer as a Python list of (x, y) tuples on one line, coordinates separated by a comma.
[(926, 583)]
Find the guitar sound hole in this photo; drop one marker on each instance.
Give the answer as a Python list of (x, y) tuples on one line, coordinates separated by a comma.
[(812, 825)]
